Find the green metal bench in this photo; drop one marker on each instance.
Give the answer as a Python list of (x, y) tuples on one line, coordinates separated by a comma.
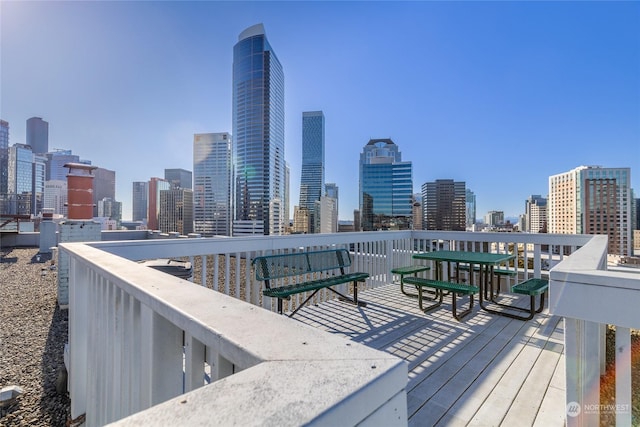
[(440, 287), (307, 271), (531, 287), (406, 270)]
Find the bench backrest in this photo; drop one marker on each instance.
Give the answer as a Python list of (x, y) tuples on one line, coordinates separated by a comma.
[(293, 264)]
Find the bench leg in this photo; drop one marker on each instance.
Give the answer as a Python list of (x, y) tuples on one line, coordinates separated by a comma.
[(432, 294), (531, 310), (438, 295), (454, 309), (304, 302), (353, 300)]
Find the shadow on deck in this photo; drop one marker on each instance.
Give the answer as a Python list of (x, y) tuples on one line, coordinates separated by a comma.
[(486, 370)]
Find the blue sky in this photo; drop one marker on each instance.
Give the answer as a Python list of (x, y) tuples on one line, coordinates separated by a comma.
[(500, 95)]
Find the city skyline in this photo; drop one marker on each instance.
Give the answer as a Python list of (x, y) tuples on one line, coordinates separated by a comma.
[(498, 95)]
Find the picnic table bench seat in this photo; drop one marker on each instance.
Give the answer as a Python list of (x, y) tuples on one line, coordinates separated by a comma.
[(531, 287), (440, 287), (307, 271), (406, 270)]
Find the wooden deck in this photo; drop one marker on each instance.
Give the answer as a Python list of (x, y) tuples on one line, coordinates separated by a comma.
[(488, 370)]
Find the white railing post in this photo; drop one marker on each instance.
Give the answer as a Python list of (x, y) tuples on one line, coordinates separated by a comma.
[(78, 336), (582, 358)]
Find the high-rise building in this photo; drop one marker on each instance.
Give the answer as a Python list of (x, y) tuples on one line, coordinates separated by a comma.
[(535, 214), (20, 179), (55, 196), (39, 172), (416, 211), (300, 220), (444, 205), (109, 208), (38, 135), (386, 187), (470, 208), (213, 173), (176, 211), (4, 159), (287, 198), (494, 218), (55, 164), (140, 201), (593, 200), (104, 186), (258, 130), (327, 218), (156, 185), (312, 175), (179, 178), (332, 190)]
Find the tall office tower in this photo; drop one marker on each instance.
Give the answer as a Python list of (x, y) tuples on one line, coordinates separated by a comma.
[(258, 129), (179, 178), (287, 198), (38, 174), (19, 179), (386, 187), (4, 159), (312, 175), (109, 208), (176, 211), (300, 220), (156, 185), (56, 160), (470, 208), (416, 211), (104, 186), (331, 190), (444, 205), (38, 135), (55, 196), (327, 218), (213, 173), (494, 218), (593, 200), (140, 201), (535, 214)]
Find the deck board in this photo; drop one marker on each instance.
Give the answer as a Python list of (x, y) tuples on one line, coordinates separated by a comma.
[(485, 370)]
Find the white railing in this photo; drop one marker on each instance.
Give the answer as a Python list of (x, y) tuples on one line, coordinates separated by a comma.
[(138, 337), (589, 297)]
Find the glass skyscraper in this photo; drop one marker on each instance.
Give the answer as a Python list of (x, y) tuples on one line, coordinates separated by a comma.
[(312, 176), (258, 136), (212, 189), (38, 135), (386, 187), (140, 201), (4, 164)]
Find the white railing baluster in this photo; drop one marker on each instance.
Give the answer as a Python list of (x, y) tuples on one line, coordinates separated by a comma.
[(623, 376), (194, 363)]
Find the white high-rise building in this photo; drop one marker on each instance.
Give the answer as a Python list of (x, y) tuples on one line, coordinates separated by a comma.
[(328, 210), (55, 196)]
